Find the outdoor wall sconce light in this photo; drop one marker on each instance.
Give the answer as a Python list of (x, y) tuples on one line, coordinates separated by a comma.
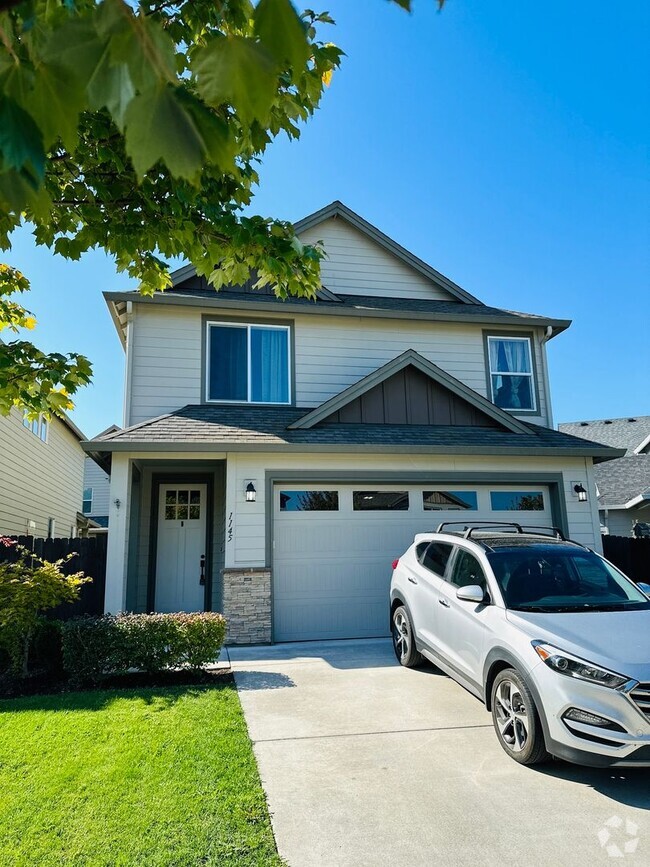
[(251, 493), (580, 493)]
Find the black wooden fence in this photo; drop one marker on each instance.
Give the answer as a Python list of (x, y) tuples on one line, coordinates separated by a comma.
[(90, 558), (630, 554)]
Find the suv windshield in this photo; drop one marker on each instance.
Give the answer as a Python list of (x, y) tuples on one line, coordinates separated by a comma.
[(546, 578)]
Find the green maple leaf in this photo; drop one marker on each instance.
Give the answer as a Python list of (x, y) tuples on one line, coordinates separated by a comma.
[(158, 127), (282, 32), (238, 71), (55, 102), (21, 141)]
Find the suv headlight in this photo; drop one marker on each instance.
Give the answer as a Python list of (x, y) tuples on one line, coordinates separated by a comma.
[(572, 666)]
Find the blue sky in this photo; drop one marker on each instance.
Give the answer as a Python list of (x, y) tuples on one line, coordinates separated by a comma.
[(506, 143)]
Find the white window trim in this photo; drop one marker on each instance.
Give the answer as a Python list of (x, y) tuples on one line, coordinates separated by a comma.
[(531, 375), (85, 499), (41, 423), (248, 326)]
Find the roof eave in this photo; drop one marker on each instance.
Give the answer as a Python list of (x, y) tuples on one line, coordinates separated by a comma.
[(111, 299), (558, 325), (228, 446)]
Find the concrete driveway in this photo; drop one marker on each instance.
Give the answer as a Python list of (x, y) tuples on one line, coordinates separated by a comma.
[(368, 764)]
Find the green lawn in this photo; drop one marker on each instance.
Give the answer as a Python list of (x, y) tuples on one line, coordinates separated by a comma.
[(131, 777)]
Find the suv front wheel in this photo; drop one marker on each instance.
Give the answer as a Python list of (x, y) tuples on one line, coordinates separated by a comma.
[(516, 720), (403, 639)]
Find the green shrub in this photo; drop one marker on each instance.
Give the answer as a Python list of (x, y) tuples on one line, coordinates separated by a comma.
[(29, 586), (96, 647)]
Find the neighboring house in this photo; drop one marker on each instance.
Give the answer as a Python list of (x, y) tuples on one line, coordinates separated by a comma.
[(96, 488), (277, 456), (623, 484), (41, 476)]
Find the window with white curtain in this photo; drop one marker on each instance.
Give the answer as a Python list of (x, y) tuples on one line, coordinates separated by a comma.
[(511, 373), (248, 363)]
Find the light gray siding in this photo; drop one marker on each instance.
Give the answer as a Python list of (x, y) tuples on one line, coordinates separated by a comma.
[(330, 355), (100, 482), (619, 522), (356, 265), (39, 480)]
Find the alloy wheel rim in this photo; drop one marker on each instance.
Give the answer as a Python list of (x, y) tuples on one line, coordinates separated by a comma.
[(511, 717), (401, 638)]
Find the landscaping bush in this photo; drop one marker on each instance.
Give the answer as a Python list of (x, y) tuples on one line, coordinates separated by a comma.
[(29, 586), (97, 647)]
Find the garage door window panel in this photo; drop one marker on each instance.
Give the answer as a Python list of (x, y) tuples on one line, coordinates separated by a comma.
[(517, 501), (380, 501), (450, 501), (309, 501)]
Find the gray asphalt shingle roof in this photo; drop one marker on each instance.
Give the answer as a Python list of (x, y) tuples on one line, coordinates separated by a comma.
[(359, 302), (261, 427), (620, 433), (624, 479)]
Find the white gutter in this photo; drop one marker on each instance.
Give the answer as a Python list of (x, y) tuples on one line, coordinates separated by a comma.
[(547, 386), (128, 372)]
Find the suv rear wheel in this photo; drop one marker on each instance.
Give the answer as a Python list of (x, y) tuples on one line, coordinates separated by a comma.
[(403, 639), (516, 720)]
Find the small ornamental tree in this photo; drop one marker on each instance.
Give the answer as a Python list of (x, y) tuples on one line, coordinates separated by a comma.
[(29, 586)]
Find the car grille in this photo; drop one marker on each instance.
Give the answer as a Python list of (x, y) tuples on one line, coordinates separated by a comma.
[(640, 695)]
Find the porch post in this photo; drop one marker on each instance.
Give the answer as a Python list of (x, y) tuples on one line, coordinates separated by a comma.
[(117, 549)]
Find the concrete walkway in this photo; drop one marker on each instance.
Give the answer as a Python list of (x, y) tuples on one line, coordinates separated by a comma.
[(368, 764)]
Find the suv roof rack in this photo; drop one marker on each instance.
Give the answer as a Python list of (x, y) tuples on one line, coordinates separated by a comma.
[(469, 527)]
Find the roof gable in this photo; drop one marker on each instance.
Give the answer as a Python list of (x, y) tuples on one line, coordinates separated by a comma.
[(411, 390), (441, 287)]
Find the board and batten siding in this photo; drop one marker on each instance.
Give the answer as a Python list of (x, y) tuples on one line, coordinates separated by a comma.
[(248, 544), (38, 480), (99, 480), (331, 353), (357, 265)]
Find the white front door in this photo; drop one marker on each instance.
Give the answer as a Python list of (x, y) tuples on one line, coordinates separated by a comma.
[(181, 547)]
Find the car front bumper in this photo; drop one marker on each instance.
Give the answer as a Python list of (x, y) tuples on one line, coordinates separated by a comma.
[(626, 743)]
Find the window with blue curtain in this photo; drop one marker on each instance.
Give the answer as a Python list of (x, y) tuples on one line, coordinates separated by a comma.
[(228, 379), (511, 373), (269, 365), (248, 363)]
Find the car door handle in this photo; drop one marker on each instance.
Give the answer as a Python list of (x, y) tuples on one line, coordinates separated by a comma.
[(412, 580), (443, 602)]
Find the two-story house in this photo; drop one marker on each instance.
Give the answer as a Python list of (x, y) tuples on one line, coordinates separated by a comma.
[(41, 476), (277, 456)]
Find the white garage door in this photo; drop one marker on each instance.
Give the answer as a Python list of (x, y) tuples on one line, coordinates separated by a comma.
[(334, 545)]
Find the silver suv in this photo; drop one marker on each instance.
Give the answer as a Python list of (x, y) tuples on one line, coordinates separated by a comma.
[(552, 637)]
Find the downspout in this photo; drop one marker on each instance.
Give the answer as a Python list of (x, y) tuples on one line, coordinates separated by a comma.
[(547, 386), (128, 372)]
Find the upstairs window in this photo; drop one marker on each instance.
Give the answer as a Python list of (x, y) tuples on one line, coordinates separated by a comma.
[(87, 504), (511, 373), (248, 363), (38, 426)]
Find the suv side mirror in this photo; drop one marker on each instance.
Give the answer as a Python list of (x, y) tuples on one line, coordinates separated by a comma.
[(643, 587), (472, 593)]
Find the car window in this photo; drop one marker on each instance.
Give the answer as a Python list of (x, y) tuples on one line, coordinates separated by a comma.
[(436, 556), (420, 548), (467, 570), (550, 578)]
